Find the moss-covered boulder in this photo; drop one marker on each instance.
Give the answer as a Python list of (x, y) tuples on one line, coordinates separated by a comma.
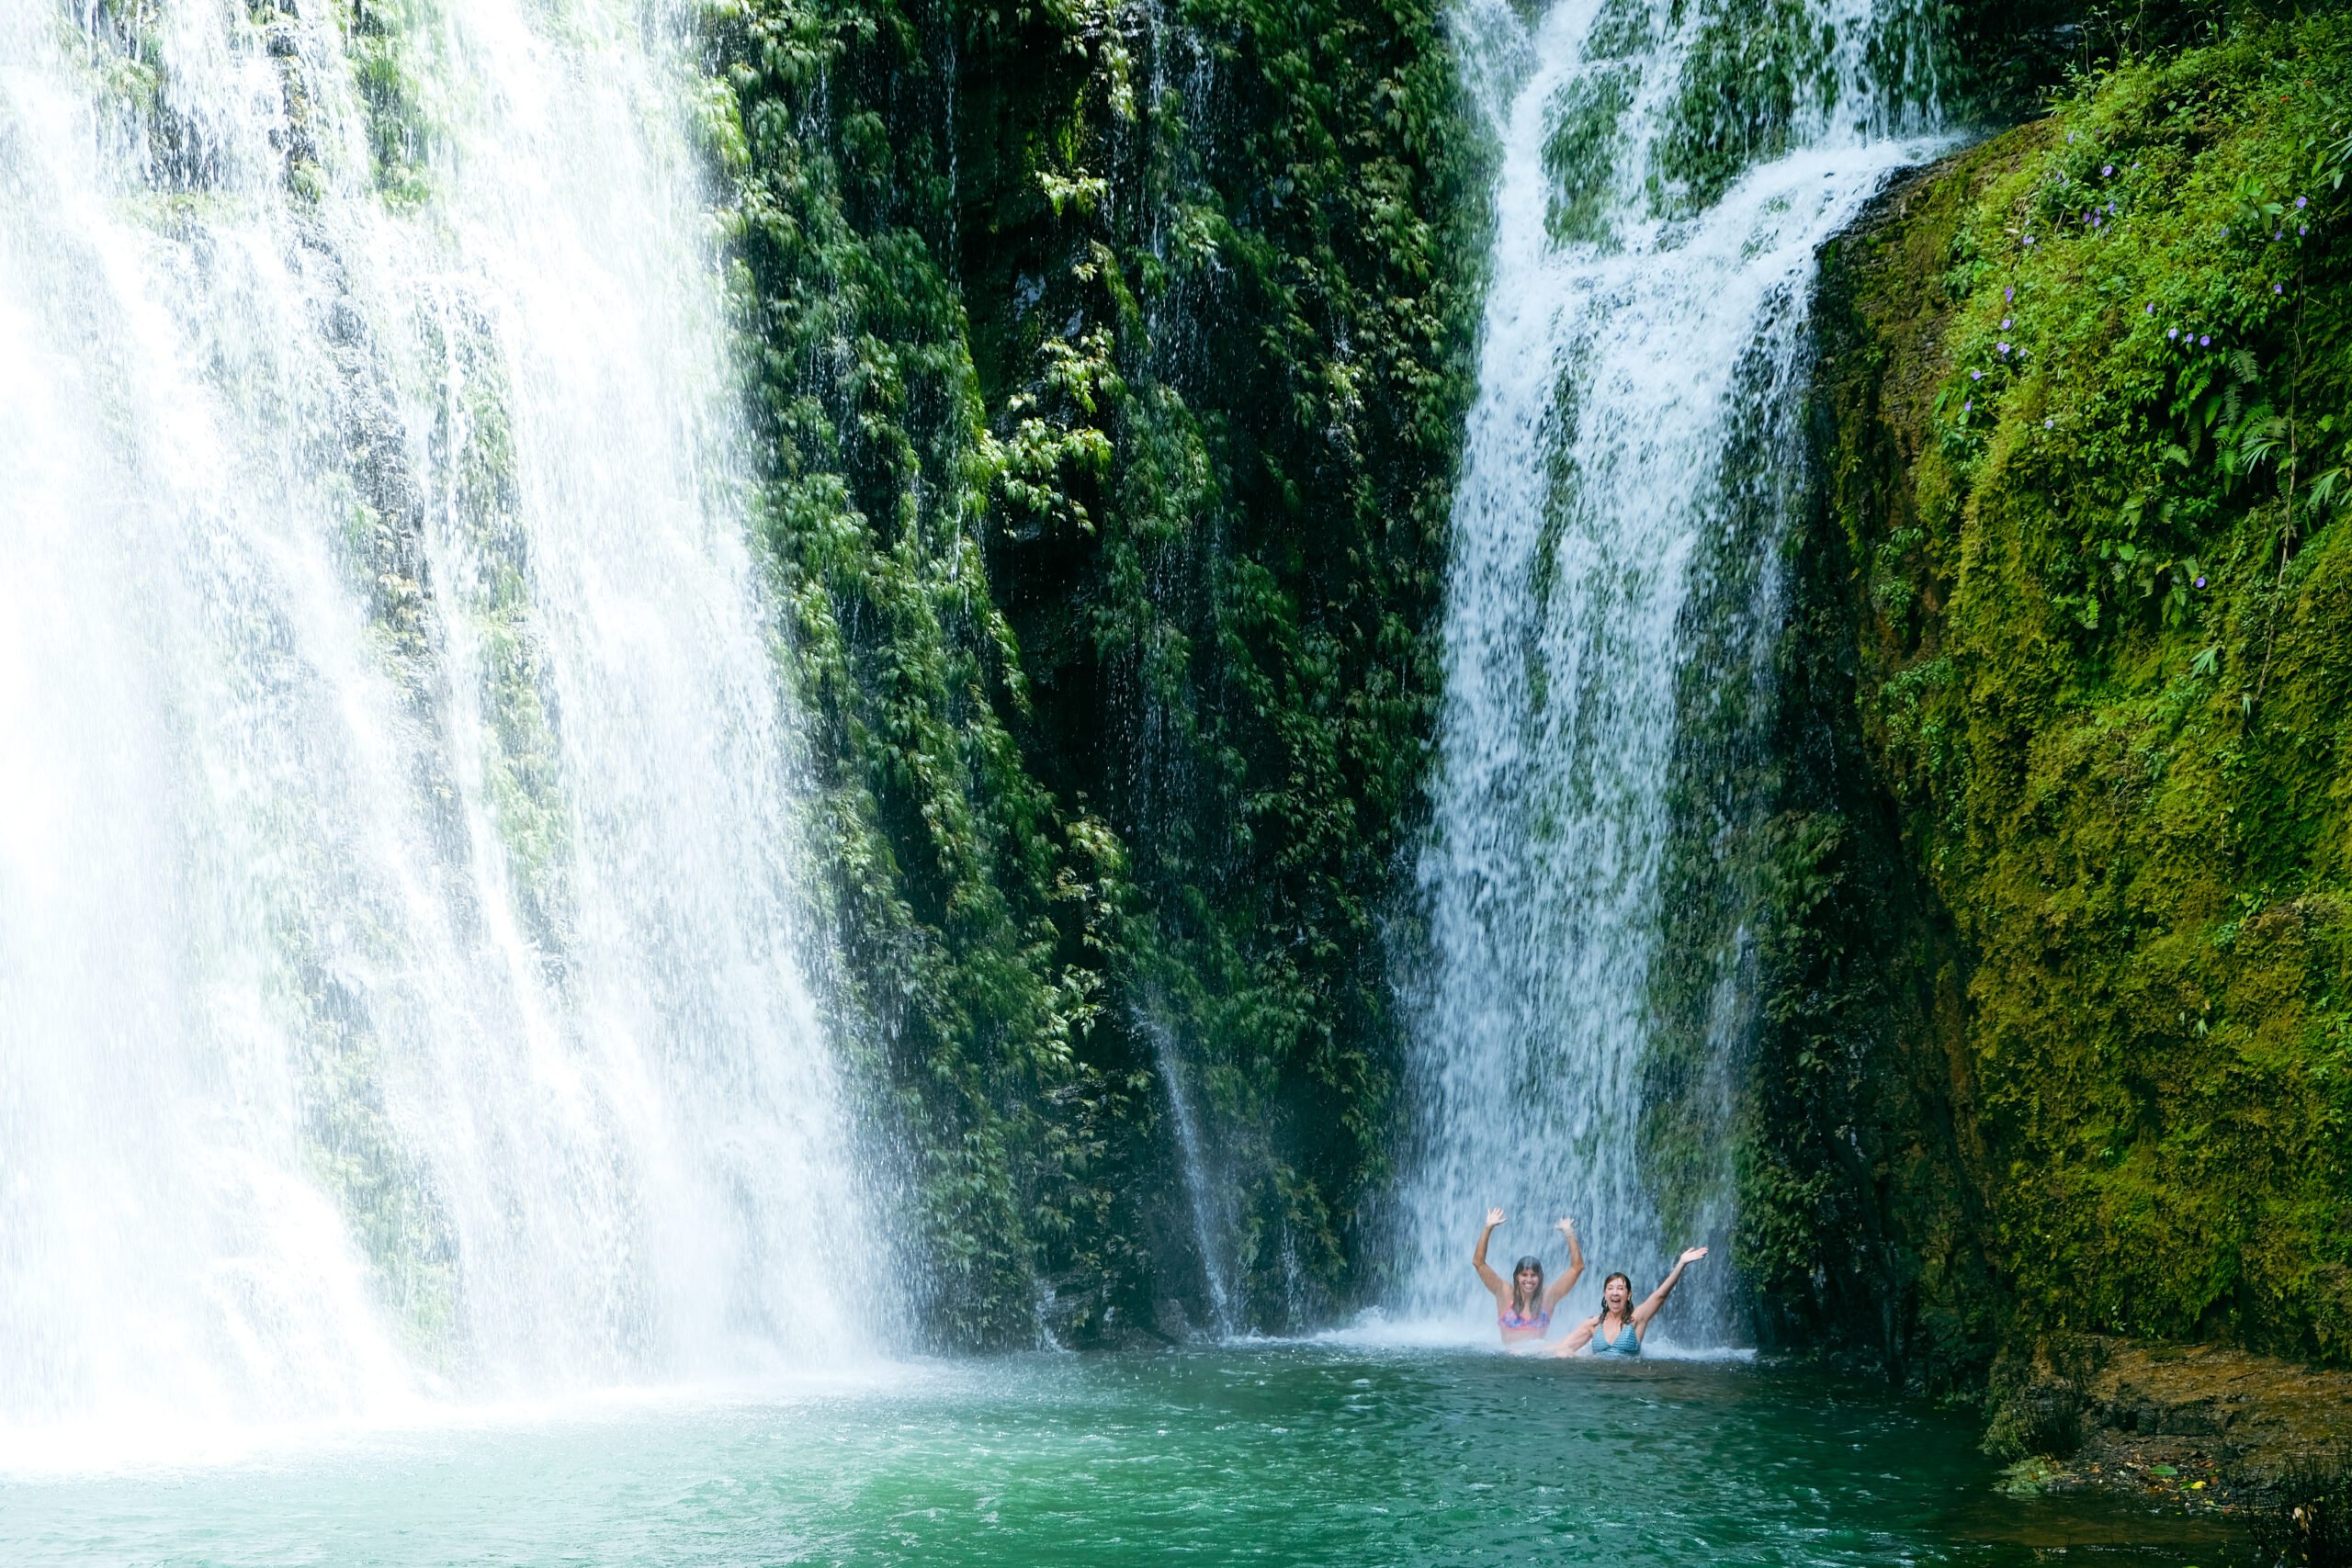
[(2059, 1028)]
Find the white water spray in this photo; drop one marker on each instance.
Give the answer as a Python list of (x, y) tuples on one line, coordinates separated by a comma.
[(401, 989), (1634, 333)]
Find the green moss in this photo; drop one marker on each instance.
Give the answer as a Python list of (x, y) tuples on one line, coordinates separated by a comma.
[(1582, 154), (1108, 454), (378, 41), (1752, 69), (2114, 784)]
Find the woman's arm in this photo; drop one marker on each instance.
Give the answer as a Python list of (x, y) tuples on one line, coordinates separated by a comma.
[(1567, 1281), (1579, 1337), (1648, 1309), (1492, 1280)]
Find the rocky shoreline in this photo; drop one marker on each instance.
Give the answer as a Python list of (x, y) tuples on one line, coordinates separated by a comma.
[(2200, 1428)]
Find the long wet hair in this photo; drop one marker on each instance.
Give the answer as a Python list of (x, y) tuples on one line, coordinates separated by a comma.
[(1603, 1316), (1523, 1306)]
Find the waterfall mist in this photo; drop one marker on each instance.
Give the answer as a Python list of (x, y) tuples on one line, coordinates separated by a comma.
[(401, 955)]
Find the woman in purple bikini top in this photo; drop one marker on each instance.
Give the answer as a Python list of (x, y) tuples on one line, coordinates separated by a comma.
[(1523, 1305)]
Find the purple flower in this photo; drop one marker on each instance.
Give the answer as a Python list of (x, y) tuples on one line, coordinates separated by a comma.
[(2009, 293), (2004, 323), (1976, 375), (2049, 424), (2225, 233), (2029, 239), (2278, 288), (2004, 348), (1968, 405), (2107, 171), (2302, 202), (2172, 332), (2200, 582), (2070, 136), (2152, 308), (2305, 229), (2204, 343)]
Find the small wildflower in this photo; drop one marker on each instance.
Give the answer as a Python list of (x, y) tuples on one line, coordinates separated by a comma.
[(2152, 308), (2303, 229), (2107, 171), (2009, 293), (2004, 348), (1976, 375), (1968, 405), (2172, 332), (2029, 239), (2278, 288), (2302, 202), (2225, 233), (2049, 424), (2205, 343), (2004, 323), (2200, 582)]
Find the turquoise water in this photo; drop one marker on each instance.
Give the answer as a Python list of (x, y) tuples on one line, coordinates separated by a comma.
[(1288, 1454)]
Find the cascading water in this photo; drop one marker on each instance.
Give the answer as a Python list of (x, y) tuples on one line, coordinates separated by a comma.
[(401, 970), (1643, 326)]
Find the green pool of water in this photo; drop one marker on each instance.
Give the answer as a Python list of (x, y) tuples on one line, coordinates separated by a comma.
[(1279, 1454)]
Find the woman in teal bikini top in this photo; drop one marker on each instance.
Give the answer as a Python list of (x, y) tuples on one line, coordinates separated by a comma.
[(1523, 1307), (1618, 1331)]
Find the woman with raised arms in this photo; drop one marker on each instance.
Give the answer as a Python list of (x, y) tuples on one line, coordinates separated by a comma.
[(1617, 1331), (1523, 1307)]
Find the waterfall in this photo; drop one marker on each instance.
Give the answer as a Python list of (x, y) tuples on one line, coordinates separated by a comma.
[(1629, 459), (401, 981)]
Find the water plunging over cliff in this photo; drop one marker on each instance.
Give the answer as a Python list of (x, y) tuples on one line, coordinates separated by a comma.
[(1627, 465), (400, 967)]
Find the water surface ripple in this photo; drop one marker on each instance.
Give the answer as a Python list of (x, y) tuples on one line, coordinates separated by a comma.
[(1280, 1454)]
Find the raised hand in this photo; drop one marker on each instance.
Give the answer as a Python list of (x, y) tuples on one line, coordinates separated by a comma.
[(1563, 1283), (1648, 1309), (1494, 1218)]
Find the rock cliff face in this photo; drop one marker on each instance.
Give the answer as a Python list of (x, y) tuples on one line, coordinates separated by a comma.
[(1111, 358), (2056, 992), (1112, 362)]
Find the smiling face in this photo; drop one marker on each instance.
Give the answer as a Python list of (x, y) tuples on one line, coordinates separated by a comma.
[(1615, 1292), (1527, 1281)]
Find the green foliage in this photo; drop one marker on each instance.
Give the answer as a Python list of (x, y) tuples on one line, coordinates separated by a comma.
[(2086, 391), (378, 38), (1753, 69), (1110, 370), (1581, 155)]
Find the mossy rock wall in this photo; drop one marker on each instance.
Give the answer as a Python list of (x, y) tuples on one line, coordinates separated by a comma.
[(2058, 1013), (1109, 362)]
